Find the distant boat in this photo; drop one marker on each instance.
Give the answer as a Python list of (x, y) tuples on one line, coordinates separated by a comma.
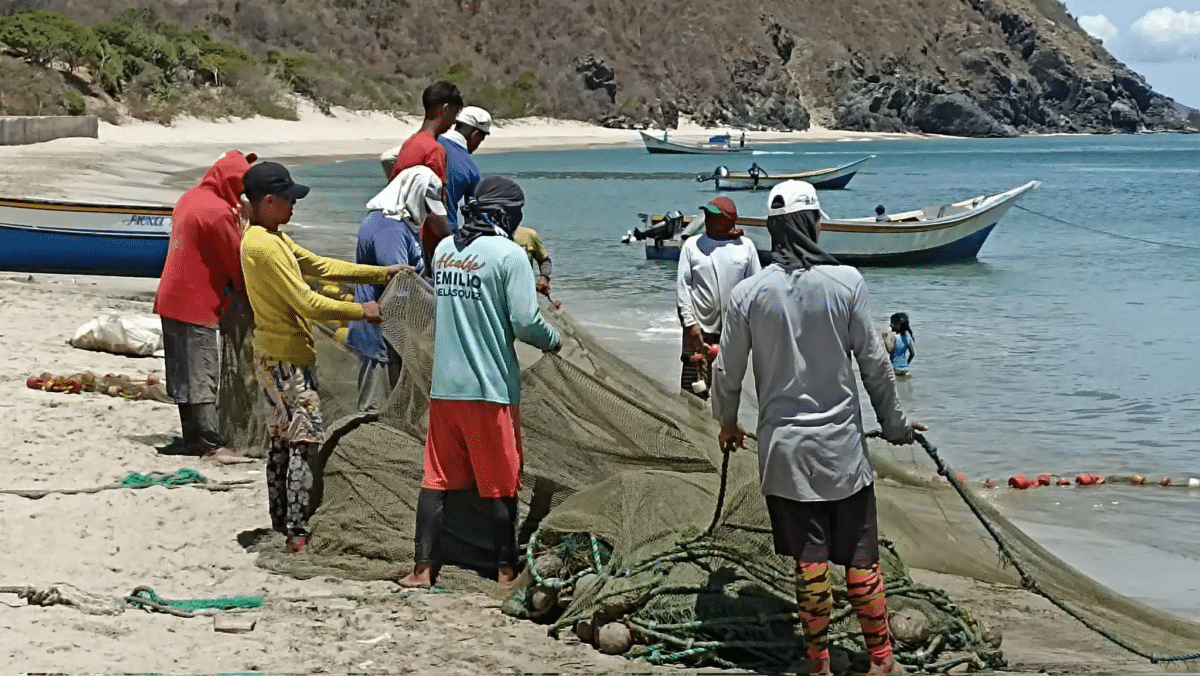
[(77, 238), (932, 236), (726, 146), (833, 178)]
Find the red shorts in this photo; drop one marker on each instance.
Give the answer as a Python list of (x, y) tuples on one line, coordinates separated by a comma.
[(473, 443)]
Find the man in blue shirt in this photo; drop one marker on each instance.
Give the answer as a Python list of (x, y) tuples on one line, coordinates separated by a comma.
[(389, 233), (462, 174)]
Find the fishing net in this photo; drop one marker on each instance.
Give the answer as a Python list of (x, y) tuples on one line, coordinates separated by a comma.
[(622, 478)]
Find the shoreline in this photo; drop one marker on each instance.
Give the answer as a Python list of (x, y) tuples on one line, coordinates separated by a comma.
[(149, 163)]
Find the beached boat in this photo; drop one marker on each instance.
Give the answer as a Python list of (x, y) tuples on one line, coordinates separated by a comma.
[(932, 236), (71, 237), (832, 178), (726, 146)]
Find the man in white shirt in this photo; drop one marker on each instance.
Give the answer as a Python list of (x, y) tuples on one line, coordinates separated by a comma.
[(710, 265)]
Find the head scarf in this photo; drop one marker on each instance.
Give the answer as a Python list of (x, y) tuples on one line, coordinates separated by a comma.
[(495, 209), (794, 240), (406, 197)]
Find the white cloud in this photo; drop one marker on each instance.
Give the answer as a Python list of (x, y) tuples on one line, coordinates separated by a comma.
[(1164, 34), (1099, 27)]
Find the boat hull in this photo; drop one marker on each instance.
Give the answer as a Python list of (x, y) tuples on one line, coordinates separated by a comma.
[(657, 146), (72, 238), (835, 178), (950, 234)]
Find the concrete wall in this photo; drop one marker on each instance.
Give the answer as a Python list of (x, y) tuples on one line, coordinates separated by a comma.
[(21, 130)]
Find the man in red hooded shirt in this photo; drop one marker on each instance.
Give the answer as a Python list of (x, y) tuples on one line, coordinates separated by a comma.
[(203, 266)]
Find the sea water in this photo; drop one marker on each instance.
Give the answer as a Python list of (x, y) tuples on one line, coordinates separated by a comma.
[(1062, 349)]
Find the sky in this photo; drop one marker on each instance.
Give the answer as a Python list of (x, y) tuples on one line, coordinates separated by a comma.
[(1159, 39)]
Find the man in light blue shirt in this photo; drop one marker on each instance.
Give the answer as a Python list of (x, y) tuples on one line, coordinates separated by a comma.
[(486, 300), (462, 173)]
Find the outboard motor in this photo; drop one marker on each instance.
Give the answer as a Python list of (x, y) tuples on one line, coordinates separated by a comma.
[(668, 227), (721, 171)]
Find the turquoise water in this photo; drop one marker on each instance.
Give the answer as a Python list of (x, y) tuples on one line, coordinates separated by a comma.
[(1061, 350)]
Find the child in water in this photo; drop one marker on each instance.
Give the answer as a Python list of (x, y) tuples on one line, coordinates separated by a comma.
[(899, 344)]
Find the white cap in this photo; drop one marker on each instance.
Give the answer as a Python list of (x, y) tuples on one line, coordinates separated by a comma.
[(476, 117), (795, 196)]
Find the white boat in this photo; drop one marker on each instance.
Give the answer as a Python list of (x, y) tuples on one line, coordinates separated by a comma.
[(72, 237), (951, 233), (833, 178), (661, 146)]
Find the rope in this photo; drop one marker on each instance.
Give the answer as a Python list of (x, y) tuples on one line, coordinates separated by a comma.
[(1027, 579), (135, 481), (1105, 232), (721, 493)]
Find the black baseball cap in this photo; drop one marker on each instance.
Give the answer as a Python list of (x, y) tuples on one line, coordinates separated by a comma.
[(271, 178)]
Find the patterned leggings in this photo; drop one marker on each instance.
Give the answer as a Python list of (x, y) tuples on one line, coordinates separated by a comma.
[(864, 587), (293, 412)]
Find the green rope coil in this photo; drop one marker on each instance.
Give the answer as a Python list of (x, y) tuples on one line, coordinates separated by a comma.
[(183, 477)]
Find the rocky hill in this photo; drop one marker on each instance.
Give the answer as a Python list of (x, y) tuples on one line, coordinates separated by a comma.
[(962, 67)]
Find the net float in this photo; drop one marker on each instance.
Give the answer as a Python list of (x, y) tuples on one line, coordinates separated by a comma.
[(1064, 481), (990, 483), (962, 478), (33, 383), (713, 351), (1137, 479), (1193, 483), (1020, 482), (1085, 480), (1043, 480), (1165, 481)]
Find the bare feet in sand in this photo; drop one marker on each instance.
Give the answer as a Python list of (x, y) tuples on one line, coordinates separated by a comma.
[(227, 457), (888, 667), (422, 577), (296, 544)]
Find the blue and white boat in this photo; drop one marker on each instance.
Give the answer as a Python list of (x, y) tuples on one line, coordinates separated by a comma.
[(832, 178), (128, 240), (932, 236)]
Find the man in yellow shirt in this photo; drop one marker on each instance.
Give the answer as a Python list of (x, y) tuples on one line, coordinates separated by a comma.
[(284, 348), (539, 258)]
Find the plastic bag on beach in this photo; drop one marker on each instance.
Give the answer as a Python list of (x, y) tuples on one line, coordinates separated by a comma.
[(133, 335)]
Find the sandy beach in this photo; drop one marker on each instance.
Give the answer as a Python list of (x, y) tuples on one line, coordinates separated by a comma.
[(186, 542)]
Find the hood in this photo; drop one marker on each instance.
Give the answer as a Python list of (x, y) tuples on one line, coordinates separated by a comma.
[(225, 177), (407, 197)]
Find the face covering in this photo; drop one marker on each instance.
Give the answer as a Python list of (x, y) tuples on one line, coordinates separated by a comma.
[(794, 240), (495, 209)]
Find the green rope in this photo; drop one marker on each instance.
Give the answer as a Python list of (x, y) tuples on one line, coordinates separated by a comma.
[(146, 598), (183, 477)]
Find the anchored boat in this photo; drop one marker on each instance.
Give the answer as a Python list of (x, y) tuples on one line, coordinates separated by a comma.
[(73, 237), (717, 145), (832, 178), (950, 233)]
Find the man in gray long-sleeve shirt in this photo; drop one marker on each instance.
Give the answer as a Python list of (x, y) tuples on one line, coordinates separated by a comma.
[(806, 316)]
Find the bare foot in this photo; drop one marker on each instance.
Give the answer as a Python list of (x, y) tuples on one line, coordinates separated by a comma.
[(819, 666), (506, 577), (227, 457), (422, 577), (296, 544), (888, 667)]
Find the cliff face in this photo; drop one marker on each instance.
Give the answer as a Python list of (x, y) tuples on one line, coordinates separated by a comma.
[(963, 67)]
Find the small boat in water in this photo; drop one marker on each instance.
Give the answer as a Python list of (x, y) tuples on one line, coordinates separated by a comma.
[(79, 238), (952, 233), (717, 145), (833, 178)]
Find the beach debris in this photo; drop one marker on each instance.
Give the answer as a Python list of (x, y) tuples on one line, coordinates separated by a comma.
[(112, 384), (236, 623), (131, 335), (544, 599), (614, 638)]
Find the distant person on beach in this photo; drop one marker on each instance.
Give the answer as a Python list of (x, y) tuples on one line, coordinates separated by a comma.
[(389, 236), (802, 320), (202, 272), (709, 267), (485, 301), (539, 257), (284, 348), (881, 215), (899, 344), (471, 127), (442, 102)]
